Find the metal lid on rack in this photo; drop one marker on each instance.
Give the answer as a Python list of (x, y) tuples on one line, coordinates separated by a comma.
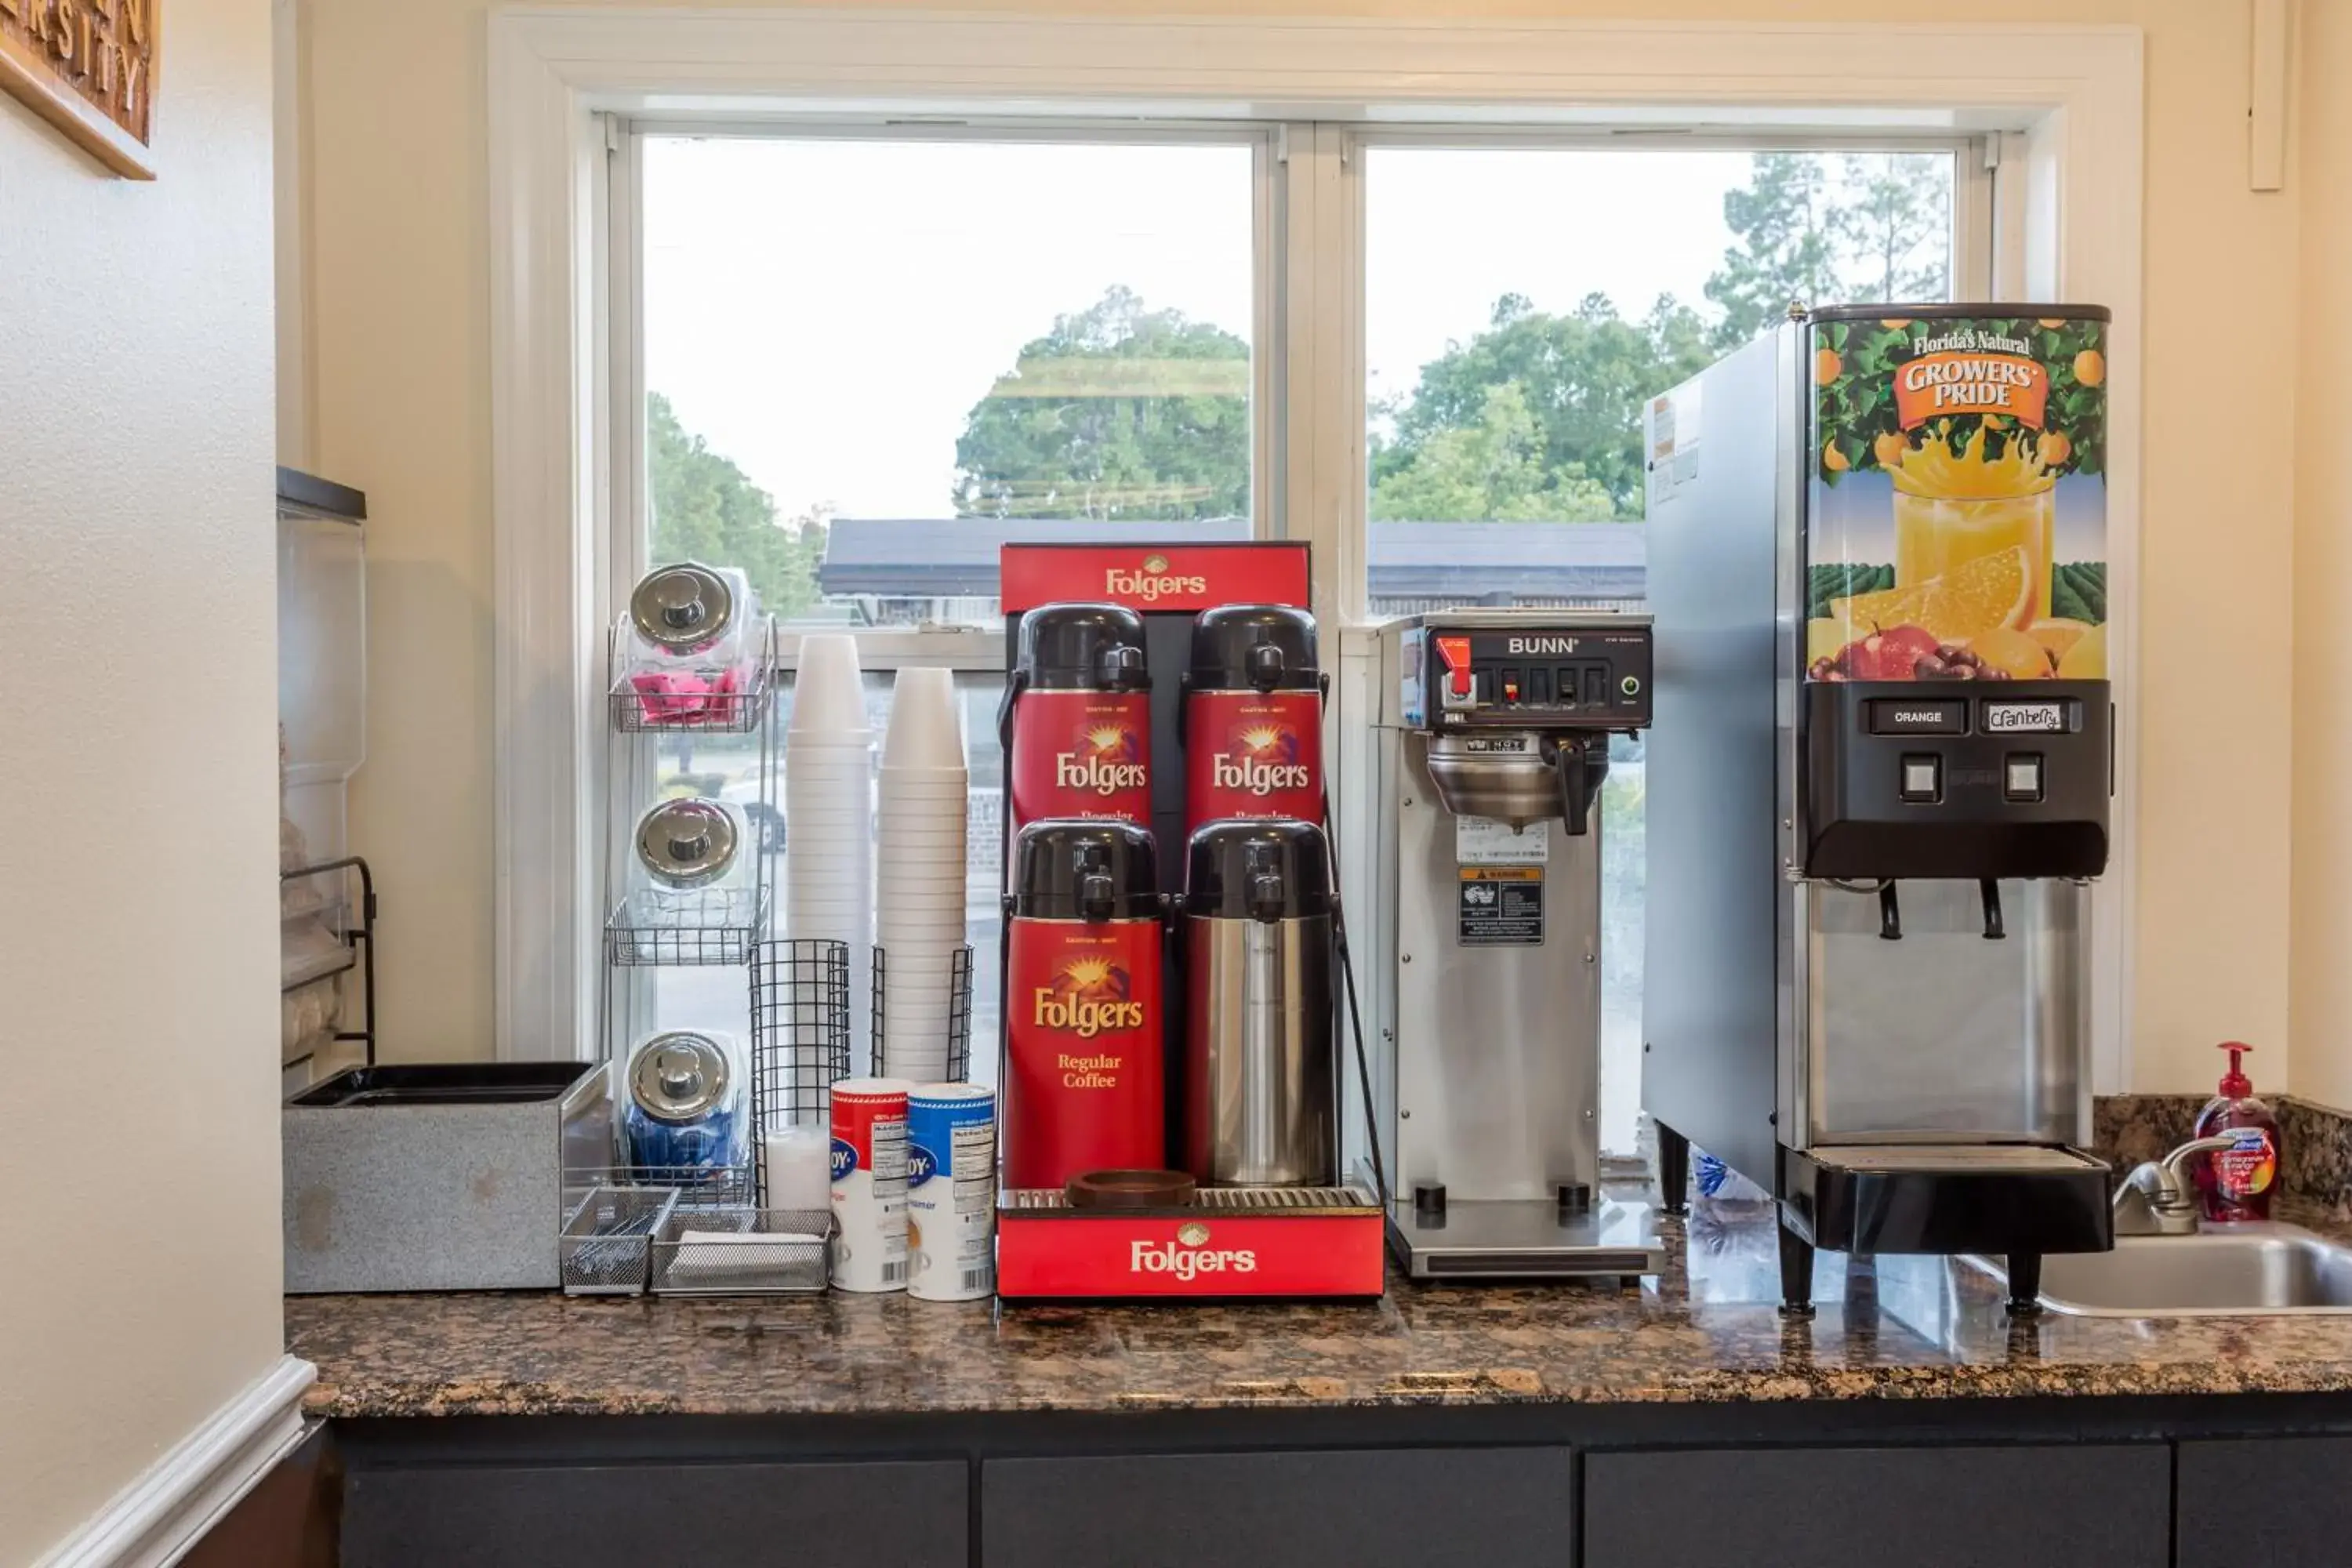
[(1253, 648), (680, 1075), (1085, 868), (687, 843), (682, 608), (1257, 868)]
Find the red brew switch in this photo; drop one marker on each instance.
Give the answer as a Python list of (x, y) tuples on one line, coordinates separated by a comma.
[(1455, 652)]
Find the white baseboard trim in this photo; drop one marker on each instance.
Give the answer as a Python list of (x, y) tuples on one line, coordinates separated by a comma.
[(152, 1522)]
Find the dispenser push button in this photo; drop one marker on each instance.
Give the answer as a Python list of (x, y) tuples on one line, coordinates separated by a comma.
[(1923, 778), (2023, 777)]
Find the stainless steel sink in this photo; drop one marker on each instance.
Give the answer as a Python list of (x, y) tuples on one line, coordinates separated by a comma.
[(2222, 1271)]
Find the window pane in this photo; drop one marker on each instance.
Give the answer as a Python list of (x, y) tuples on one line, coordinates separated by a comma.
[(1521, 303), (1520, 306), (871, 363), (727, 766)]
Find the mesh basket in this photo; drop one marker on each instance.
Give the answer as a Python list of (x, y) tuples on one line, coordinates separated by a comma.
[(800, 1031)]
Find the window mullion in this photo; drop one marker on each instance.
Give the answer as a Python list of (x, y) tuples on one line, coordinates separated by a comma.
[(1322, 340), (1976, 272)]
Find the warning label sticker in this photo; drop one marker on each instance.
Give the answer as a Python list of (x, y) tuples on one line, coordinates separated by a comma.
[(1501, 906)]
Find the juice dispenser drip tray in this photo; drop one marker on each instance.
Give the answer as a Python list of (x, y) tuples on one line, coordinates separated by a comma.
[(1948, 1197)]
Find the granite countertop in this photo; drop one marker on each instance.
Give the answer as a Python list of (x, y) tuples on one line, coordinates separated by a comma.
[(1900, 1328)]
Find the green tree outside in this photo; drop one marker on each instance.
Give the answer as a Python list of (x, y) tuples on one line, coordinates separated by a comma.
[(706, 508), (1577, 380), (1120, 412)]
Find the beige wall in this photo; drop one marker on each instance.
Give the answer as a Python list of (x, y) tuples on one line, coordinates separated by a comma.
[(2321, 1010), (137, 629), (400, 377)]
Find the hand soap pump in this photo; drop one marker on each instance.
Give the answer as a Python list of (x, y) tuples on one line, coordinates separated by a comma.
[(2237, 1183)]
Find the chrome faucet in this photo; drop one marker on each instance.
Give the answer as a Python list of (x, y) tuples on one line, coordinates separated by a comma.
[(2158, 1198)]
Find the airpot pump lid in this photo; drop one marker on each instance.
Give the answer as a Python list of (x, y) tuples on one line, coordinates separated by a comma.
[(1238, 647)]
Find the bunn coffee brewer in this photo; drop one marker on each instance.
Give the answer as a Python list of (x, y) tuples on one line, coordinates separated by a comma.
[(1483, 960), (1879, 779)]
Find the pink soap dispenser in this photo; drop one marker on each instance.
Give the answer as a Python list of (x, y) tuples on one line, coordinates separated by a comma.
[(2238, 1183)]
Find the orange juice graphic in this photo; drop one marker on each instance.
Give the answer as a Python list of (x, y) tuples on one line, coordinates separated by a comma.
[(1955, 525), (1955, 507)]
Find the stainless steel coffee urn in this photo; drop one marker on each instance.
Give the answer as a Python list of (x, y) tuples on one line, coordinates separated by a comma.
[(1260, 1057)]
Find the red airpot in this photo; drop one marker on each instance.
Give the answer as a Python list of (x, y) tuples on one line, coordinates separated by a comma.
[(1253, 716), (1076, 721), (1084, 1080)]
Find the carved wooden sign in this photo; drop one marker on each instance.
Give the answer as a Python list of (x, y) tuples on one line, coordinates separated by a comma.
[(88, 67)]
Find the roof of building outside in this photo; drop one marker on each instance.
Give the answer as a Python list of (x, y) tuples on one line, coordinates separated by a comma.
[(937, 558)]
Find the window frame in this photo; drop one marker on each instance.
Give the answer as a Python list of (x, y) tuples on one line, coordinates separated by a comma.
[(886, 648), (2070, 126)]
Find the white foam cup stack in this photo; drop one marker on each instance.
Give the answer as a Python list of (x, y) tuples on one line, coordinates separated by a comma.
[(829, 824), (923, 798)]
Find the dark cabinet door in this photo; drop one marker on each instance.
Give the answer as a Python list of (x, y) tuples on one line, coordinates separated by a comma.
[(1391, 1508), (2008, 1507), (2253, 1502), (639, 1516)]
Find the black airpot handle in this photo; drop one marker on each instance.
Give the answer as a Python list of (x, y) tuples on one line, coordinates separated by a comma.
[(1013, 686)]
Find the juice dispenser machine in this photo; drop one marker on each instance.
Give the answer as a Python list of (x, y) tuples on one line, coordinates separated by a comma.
[(1490, 745), (1879, 778)]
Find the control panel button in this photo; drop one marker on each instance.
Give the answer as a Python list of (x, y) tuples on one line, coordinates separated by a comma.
[(2021, 777), (1596, 687), (1631, 686), (1566, 676), (1538, 690), (1510, 683), (1923, 778)]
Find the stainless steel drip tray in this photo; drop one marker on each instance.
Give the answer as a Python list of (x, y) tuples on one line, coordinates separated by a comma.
[(1973, 1159), (1525, 1239)]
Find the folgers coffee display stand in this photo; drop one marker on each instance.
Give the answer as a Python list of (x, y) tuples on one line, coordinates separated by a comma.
[(1160, 698)]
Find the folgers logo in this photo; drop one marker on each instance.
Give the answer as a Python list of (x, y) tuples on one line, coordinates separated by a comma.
[(1088, 997), (1267, 759), (1188, 1256), (1151, 583), (1104, 759)]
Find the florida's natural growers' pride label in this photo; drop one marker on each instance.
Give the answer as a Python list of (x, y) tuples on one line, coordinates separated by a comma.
[(1958, 526)]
